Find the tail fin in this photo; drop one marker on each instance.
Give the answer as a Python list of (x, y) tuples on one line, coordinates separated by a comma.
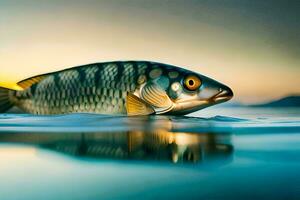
[(5, 103)]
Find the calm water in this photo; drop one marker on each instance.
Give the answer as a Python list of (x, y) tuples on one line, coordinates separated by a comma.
[(218, 153)]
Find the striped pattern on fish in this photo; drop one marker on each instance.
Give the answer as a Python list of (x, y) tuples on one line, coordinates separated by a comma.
[(124, 87)]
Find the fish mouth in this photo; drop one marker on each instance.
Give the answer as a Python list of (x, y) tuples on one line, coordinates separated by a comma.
[(223, 95)]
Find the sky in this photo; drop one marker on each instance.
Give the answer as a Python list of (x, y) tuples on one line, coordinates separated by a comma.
[(252, 46)]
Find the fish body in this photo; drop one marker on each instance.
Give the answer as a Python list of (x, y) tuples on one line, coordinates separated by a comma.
[(118, 88)]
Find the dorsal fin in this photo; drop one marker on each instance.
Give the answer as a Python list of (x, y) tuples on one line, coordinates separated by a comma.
[(27, 83)]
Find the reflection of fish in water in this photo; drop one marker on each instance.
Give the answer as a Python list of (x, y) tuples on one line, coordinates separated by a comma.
[(158, 145), (133, 88)]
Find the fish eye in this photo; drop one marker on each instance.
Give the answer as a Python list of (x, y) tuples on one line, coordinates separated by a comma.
[(192, 82)]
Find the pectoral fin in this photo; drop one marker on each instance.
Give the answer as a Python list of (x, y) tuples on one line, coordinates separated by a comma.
[(137, 106), (156, 96)]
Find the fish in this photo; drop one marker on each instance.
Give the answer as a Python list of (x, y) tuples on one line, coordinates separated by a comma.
[(116, 88)]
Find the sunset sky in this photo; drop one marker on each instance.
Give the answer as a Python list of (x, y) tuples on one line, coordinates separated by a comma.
[(253, 46)]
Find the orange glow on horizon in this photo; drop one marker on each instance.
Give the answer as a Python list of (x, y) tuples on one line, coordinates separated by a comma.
[(244, 55)]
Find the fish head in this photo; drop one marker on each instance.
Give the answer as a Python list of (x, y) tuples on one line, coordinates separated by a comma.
[(194, 91), (176, 91)]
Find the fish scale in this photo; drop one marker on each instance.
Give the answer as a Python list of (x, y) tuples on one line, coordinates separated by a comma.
[(79, 90), (124, 87)]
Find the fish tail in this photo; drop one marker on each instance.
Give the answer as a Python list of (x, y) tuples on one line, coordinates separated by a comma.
[(5, 102)]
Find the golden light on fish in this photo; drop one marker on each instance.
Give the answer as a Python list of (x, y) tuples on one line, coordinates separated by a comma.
[(120, 88)]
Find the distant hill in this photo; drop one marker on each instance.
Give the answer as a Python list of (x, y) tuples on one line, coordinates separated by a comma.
[(289, 101)]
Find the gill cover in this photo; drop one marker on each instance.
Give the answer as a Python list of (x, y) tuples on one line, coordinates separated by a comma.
[(157, 97), (151, 96)]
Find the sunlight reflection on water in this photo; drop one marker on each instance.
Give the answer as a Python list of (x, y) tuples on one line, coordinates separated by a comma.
[(88, 156)]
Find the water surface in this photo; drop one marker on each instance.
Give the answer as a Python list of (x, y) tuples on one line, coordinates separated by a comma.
[(220, 153)]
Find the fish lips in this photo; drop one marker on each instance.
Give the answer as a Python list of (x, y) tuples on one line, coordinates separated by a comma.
[(224, 95)]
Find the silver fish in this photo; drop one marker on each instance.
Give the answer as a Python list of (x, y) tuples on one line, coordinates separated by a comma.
[(120, 88)]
